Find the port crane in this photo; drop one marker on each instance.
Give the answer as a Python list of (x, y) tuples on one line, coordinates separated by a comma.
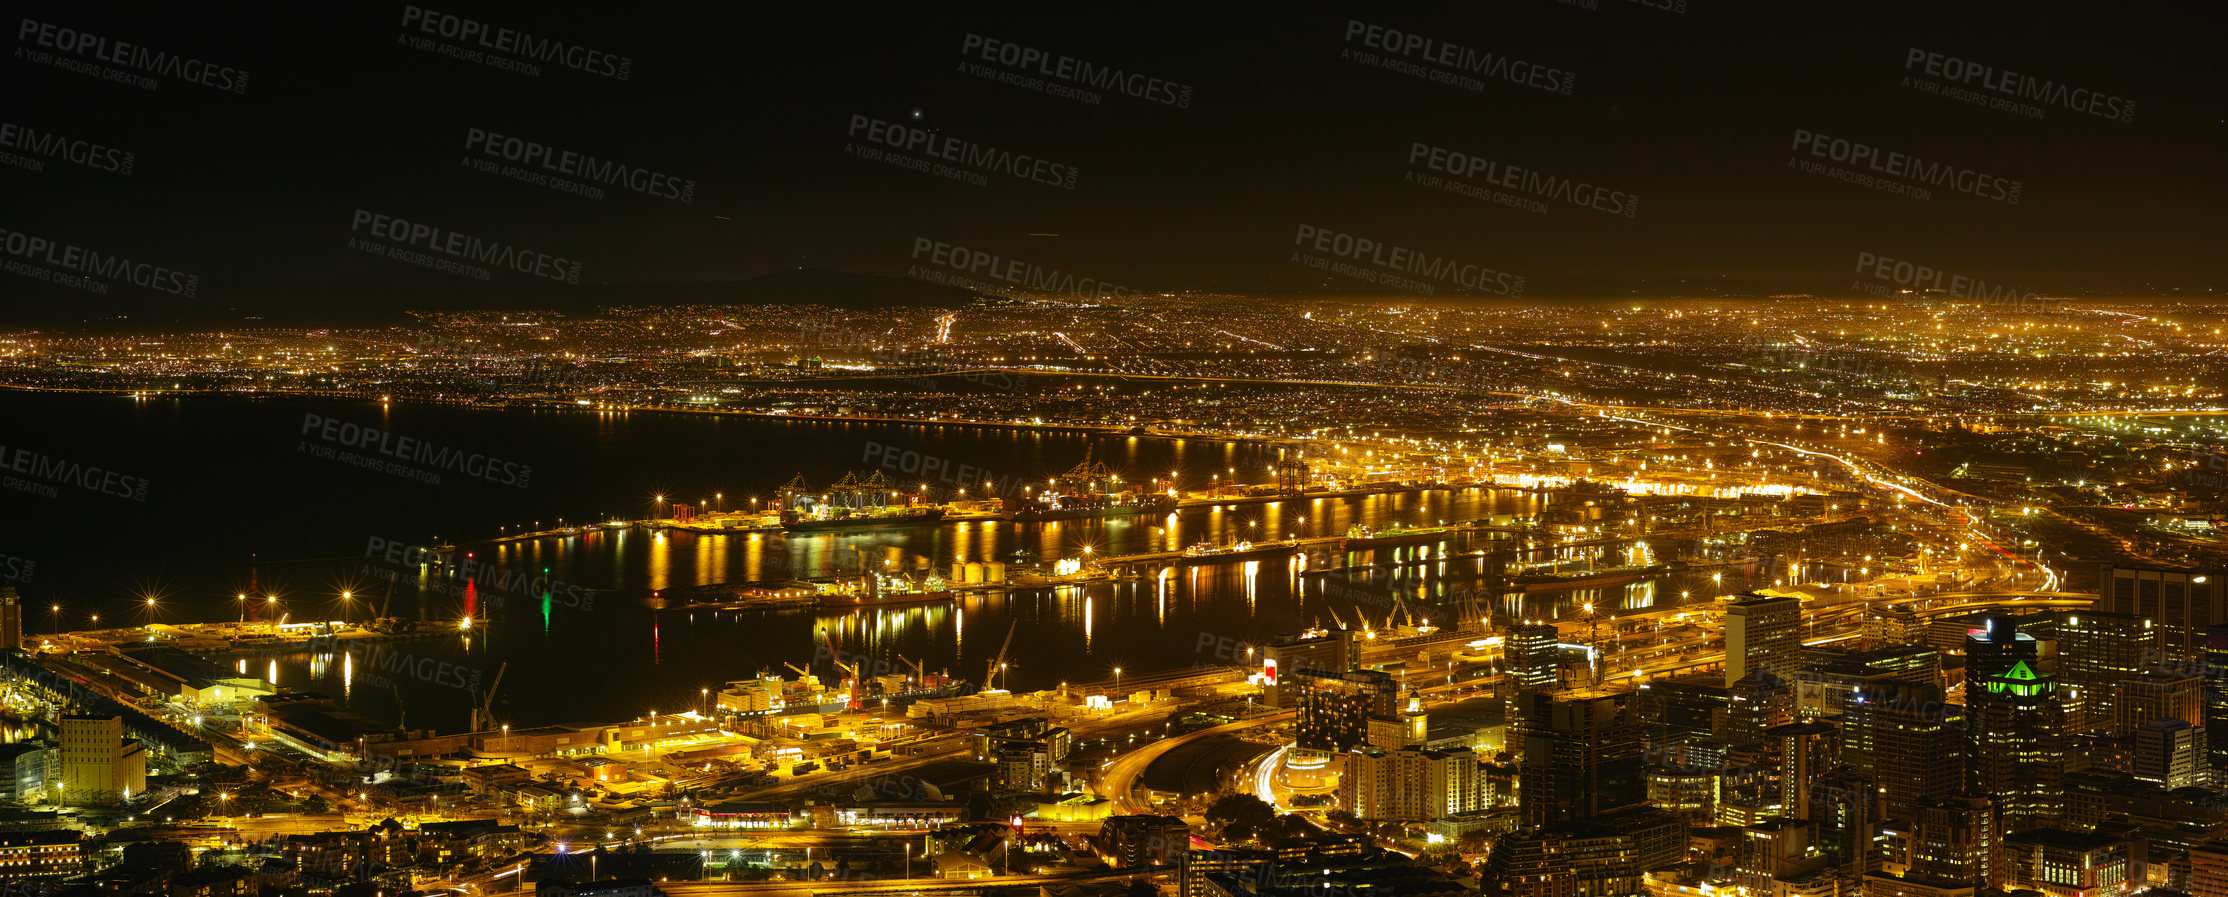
[(483, 716), (990, 678), (852, 682)]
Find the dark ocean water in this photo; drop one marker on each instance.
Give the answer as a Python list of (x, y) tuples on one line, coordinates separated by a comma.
[(238, 485)]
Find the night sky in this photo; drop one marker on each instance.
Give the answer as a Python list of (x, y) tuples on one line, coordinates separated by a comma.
[(1280, 126)]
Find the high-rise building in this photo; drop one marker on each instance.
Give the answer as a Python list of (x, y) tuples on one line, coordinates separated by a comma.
[(1958, 838), (2096, 652), (1763, 633), (1335, 651), (1995, 644), (2158, 694), (1758, 702), (1412, 784), (1688, 792), (2208, 869), (2182, 604), (11, 619), (2215, 668), (1829, 675), (1909, 740), (1805, 751), (1534, 655), (100, 765), (2170, 753), (2017, 745), (1582, 755), (1335, 708)]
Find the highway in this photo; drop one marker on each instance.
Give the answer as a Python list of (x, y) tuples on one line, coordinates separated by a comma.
[(1117, 780)]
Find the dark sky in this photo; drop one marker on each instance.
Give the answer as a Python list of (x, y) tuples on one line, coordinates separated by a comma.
[(1695, 112)]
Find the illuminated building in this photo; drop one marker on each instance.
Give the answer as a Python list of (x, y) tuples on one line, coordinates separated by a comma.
[(1763, 634), (2170, 753), (2062, 863), (100, 765), (1582, 755), (32, 855), (2216, 697), (1689, 793), (2181, 604), (1907, 739), (11, 620), (2017, 744), (2096, 652), (1335, 651), (1335, 708)]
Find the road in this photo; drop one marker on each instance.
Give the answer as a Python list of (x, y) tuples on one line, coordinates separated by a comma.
[(1118, 778)]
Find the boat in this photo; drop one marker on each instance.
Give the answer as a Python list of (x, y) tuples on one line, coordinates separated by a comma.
[(1203, 553), (1537, 582), (1068, 571), (1359, 538), (883, 590)]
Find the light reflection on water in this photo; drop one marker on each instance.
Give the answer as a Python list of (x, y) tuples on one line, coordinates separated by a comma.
[(620, 657)]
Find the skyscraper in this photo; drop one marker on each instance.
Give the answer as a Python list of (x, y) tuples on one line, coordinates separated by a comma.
[(1582, 755), (11, 619), (2017, 738), (1906, 738), (2096, 652), (1335, 708), (2182, 604), (2170, 753), (2216, 696), (1534, 653), (1763, 634)]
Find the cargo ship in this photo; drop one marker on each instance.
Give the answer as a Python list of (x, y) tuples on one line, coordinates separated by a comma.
[(1203, 553), (1092, 490), (1539, 582), (1359, 538), (883, 590), (1067, 571), (852, 503)]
